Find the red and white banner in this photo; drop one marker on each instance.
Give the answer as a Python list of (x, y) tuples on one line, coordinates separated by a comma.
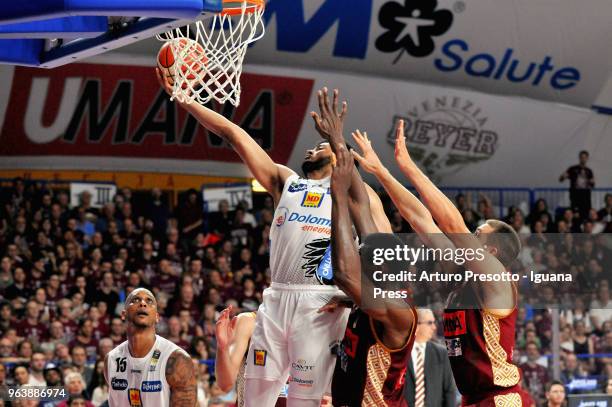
[(113, 116), (119, 111)]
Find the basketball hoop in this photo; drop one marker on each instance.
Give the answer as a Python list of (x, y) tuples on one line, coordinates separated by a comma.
[(215, 72)]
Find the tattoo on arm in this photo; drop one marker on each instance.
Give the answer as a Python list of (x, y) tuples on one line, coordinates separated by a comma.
[(181, 377)]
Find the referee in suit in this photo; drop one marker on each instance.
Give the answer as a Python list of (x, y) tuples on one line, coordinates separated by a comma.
[(429, 379)]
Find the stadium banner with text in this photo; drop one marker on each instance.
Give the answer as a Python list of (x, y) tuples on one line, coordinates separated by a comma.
[(114, 117), (100, 193), (233, 194), (544, 50), (118, 111)]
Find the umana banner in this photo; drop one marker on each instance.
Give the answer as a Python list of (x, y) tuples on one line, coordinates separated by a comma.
[(114, 117)]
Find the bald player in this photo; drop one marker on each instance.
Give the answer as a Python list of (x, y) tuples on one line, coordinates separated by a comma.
[(148, 370)]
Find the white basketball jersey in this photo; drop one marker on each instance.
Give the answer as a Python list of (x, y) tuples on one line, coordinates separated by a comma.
[(301, 230), (140, 381)]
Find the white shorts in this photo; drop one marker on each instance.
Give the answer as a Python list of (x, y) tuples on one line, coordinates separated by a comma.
[(291, 339)]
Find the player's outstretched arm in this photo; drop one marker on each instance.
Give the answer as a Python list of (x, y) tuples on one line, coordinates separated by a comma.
[(270, 175), (345, 259), (329, 123), (181, 376), (408, 205), (233, 337), (451, 222), (447, 216)]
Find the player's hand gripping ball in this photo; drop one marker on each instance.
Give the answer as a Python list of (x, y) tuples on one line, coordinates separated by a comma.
[(191, 62)]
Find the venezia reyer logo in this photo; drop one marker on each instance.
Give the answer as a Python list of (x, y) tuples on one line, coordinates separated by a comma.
[(446, 134)]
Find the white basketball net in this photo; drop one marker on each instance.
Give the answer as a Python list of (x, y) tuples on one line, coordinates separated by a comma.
[(223, 42)]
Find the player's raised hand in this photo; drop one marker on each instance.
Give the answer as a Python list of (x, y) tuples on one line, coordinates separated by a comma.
[(163, 82), (224, 329), (330, 122), (335, 302), (343, 171), (401, 151), (368, 158)]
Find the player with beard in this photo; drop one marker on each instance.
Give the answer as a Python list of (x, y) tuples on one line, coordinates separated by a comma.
[(148, 370), (290, 336), (373, 355), (479, 321)]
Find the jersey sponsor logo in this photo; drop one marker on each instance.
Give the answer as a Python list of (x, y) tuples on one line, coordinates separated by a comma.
[(454, 323), (325, 273), (283, 214), (453, 347), (134, 398), (119, 384), (260, 357), (312, 199), (302, 382), (151, 386), (296, 186), (154, 360), (309, 219), (302, 366)]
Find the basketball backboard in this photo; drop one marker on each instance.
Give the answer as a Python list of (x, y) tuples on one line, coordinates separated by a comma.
[(51, 33)]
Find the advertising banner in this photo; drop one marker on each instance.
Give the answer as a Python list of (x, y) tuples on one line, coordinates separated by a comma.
[(555, 51), (114, 117), (100, 193), (232, 194)]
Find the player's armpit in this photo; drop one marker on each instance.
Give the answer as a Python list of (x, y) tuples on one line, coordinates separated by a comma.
[(181, 376)]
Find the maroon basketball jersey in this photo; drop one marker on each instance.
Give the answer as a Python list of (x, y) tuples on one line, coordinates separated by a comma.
[(479, 347), (368, 373)]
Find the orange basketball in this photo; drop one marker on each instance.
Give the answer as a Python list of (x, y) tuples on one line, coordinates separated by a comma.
[(192, 60)]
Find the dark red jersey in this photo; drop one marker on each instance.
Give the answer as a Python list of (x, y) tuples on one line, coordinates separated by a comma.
[(368, 373), (479, 347)]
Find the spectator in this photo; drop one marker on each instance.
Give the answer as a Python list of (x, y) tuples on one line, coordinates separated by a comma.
[(104, 347), (429, 367), (79, 362), (572, 369), (601, 308), (221, 222), (53, 375), (190, 216), (75, 387), (534, 370), (98, 387), (21, 375), (555, 394), (31, 326), (117, 331), (18, 290), (582, 181), (107, 291), (37, 365), (605, 213)]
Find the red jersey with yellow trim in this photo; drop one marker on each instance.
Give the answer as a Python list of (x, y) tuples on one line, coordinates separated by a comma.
[(480, 347), (368, 373)]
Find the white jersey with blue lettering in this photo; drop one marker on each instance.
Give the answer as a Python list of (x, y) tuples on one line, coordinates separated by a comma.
[(140, 381), (301, 231)]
